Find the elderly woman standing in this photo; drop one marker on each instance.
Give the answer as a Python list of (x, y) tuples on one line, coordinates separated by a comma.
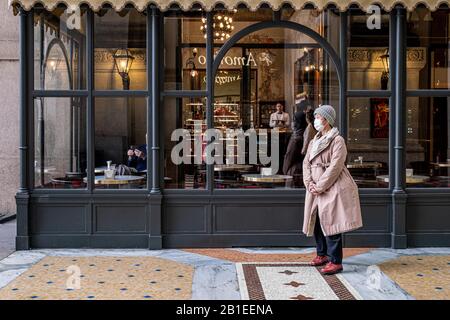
[(332, 201)]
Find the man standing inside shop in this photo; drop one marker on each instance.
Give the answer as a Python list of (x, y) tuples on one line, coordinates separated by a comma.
[(279, 119)]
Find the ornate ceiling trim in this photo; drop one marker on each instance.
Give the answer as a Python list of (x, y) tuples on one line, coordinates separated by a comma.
[(210, 4)]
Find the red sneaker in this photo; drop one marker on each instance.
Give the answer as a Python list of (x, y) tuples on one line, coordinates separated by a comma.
[(331, 268), (319, 261)]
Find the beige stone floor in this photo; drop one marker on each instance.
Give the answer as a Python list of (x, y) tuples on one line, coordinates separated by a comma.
[(102, 278), (423, 277)]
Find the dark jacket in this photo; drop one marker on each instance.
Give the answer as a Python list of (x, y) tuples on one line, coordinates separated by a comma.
[(302, 106), (293, 159), (140, 164)]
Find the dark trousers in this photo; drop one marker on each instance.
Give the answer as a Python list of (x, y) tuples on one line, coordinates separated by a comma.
[(330, 246)]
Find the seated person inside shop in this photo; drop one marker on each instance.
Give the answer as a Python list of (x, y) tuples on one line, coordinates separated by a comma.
[(137, 158)]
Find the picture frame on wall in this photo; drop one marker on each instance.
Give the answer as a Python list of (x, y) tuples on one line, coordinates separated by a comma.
[(379, 118)]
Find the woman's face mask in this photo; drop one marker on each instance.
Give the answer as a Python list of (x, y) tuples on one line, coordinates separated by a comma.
[(318, 124)]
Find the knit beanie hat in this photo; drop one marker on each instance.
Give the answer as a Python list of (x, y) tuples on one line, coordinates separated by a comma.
[(327, 112)]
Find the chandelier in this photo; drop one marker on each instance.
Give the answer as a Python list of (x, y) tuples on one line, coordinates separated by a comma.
[(222, 25)]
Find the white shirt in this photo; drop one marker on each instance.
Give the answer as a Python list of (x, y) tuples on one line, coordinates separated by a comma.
[(276, 117)]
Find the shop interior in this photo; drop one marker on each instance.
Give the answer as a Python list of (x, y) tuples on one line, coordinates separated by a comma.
[(261, 71)]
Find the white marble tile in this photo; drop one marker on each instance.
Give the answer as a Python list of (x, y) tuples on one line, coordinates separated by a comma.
[(215, 282), (23, 257), (191, 258), (380, 288), (9, 275)]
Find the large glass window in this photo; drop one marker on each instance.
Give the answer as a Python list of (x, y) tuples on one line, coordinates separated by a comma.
[(428, 142), (368, 141), (121, 143), (263, 90), (428, 49), (368, 50), (59, 49), (427, 118), (185, 143), (368, 117), (60, 143), (265, 68), (120, 50)]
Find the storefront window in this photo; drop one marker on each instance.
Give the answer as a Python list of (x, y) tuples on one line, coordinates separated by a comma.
[(264, 68), (427, 118), (368, 141), (368, 51), (60, 143), (185, 143), (121, 143), (59, 49), (262, 91), (120, 50), (184, 49), (428, 49), (428, 142)]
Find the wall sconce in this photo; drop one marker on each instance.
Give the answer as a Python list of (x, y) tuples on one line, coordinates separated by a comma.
[(385, 74), (190, 63), (52, 66), (123, 60)]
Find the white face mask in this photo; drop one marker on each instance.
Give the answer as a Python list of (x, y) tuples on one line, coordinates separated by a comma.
[(318, 125)]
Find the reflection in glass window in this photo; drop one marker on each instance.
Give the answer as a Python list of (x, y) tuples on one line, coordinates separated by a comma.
[(427, 53), (367, 52), (368, 141), (428, 142), (264, 99), (120, 50), (59, 49), (184, 48), (60, 143), (121, 143), (184, 143)]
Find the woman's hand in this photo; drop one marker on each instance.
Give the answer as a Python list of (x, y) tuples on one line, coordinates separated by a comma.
[(312, 189)]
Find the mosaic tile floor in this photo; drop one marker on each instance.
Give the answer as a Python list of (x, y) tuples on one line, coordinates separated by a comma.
[(103, 278), (423, 277), (292, 281), (235, 255), (225, 274)]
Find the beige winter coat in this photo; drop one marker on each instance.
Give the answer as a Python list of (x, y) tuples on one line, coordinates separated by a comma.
[(338, 199)]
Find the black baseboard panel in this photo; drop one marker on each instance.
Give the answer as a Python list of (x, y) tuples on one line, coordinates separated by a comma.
[(429, 239), (113, 241), (22, 243), (367, 240)]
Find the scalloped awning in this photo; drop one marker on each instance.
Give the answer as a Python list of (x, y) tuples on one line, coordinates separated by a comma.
[(209, 4)]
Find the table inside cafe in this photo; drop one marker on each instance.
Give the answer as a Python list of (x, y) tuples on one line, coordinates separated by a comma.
[(121, 182), (412, 180), (275, 180), (365, 172)]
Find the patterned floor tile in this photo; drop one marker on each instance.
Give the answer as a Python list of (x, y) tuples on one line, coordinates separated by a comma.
[(239, 256), (104, 278), (423, 277), (290, 281)]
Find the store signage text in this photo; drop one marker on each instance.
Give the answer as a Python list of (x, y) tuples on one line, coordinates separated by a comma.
[(225, 79), (248, 61)]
